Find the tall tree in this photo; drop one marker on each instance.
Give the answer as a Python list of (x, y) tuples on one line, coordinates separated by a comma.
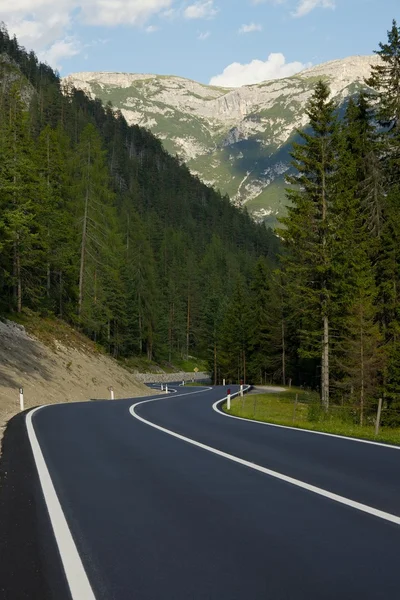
[(308, 230), (21, 193), (96, 221)]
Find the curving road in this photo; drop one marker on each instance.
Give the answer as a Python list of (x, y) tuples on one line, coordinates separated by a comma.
[(171, 499)]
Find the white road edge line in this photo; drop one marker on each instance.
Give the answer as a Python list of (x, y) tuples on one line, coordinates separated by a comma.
[(334, 435), (296, 482), (75, 573)]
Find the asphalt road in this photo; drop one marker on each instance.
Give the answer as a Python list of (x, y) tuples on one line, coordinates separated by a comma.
[(154, 516)]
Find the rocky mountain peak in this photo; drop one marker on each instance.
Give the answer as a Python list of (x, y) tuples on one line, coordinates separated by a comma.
[(237, 139)]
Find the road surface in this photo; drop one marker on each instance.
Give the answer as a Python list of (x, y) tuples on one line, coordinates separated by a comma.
[(171, 499)]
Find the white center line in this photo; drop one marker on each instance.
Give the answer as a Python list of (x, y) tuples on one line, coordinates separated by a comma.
[(296, 482)]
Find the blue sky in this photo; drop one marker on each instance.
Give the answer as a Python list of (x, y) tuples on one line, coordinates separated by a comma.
[(228, 42)]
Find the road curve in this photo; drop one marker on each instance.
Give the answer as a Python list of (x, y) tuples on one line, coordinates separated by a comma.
[(155, 516)]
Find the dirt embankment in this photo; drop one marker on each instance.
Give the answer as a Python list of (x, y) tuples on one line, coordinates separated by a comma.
[(68, 369)]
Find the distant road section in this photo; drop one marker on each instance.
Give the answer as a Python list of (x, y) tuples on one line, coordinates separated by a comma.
[(168, 498)]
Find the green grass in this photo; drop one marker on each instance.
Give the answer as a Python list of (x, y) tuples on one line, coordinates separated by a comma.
[(188, 365), (280, 409)]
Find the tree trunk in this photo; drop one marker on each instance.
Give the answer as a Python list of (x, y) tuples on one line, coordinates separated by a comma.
[(215, 363), (362, 385), (188, 328), (60, 307), (18, 277), (283, 354), (325, 365), (48, 283), (325, 342), (83, 247), (170, 331), (48, 229), (140, 323)]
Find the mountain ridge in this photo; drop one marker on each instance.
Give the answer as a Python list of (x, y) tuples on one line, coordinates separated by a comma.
[(235, 139)]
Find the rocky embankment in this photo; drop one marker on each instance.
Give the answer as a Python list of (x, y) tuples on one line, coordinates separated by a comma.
[(171, 377), (70, 370)]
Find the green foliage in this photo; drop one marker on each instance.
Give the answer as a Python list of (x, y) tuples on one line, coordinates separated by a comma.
[(100, 226)]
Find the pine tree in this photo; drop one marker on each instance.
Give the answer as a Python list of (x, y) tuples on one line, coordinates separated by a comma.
[(21, 196), (56, 216), (308, 230), (261, 322), (96, 222), (235, 335), (385, 81)]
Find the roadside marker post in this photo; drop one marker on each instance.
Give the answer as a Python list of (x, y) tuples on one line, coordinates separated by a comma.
[(183, 383), (228, 400), (111, 392), (378, 418), (162, 387), (241, 389), (223, 382), (21, 398), (166, 388)]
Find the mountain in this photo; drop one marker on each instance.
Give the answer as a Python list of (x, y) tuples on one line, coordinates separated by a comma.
[(237, 140)]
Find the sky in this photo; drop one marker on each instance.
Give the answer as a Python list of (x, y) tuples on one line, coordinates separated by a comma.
[(223, 42)]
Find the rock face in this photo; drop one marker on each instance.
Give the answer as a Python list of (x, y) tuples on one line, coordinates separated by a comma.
[(237, 140)]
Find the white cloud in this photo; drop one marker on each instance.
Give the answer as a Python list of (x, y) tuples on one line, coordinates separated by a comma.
[(151, 29), (204, 35), (45, 25), (117, 12), (275, 67), (250, 28), (306, 6), (203, 9), (303, 6), (268, 1), (62, 49)]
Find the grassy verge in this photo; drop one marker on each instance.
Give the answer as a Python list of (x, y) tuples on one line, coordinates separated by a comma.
[(281, 409)]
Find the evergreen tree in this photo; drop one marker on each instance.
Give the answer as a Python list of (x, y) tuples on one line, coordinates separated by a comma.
[(235, 335), (385, 81), (96, 221), (20, 202), (308, 233)]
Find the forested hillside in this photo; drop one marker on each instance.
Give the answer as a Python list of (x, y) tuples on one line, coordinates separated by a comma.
[(342, 262), (103, 228)]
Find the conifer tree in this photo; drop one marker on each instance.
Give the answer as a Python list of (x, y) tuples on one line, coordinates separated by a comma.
[(308, 230), (96, 222), (385, 81), (235, 335), (21, 194)]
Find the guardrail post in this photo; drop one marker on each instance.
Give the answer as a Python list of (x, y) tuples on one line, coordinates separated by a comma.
[(21, 398)]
